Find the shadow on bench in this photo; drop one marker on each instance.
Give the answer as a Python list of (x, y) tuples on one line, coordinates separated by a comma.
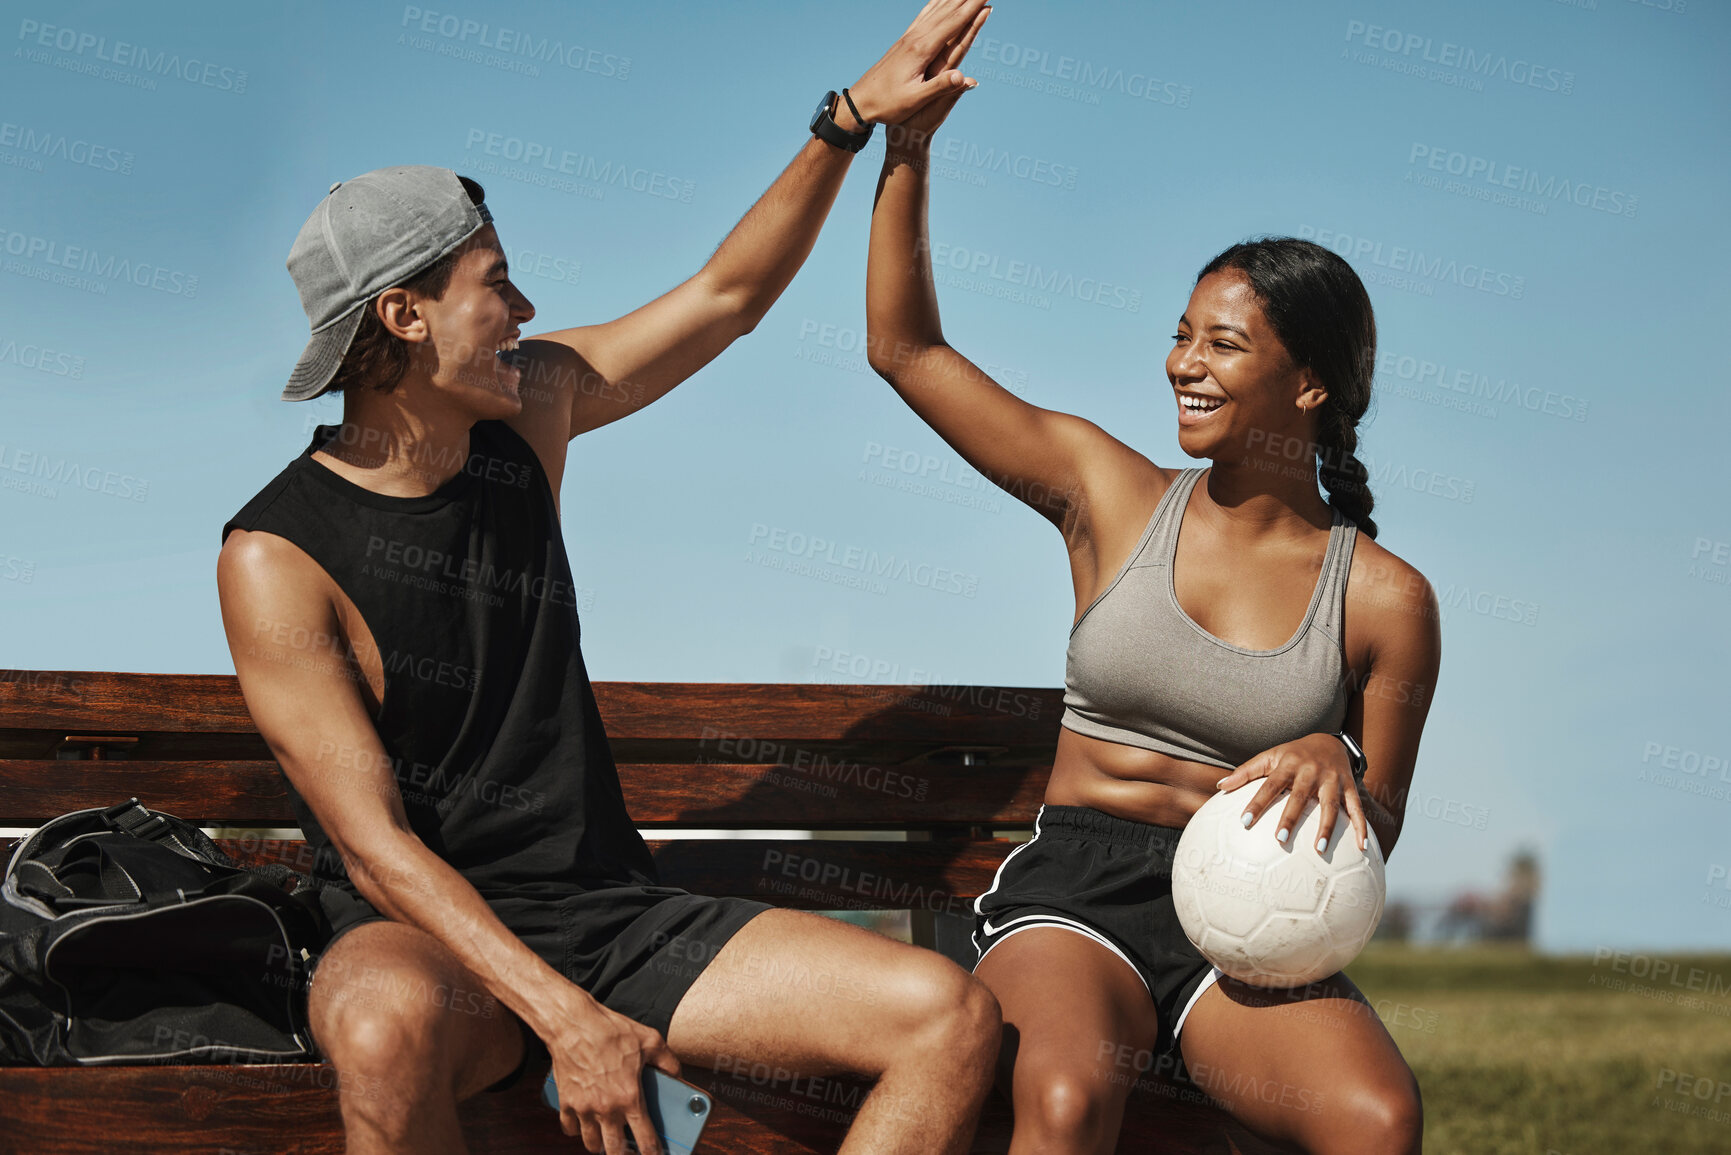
[(936, 773)]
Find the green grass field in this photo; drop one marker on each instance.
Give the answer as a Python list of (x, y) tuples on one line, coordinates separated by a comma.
[(1530, 1054)]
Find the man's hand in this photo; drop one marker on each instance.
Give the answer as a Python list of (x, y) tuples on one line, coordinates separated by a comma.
[(607, 371), (598, 1062), (920, 67)]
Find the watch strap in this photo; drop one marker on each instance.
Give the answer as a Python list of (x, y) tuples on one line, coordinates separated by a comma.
[(824, 127)]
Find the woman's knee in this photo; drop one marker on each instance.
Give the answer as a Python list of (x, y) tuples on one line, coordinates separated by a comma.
[(1065, 1107), (1385, 1117)]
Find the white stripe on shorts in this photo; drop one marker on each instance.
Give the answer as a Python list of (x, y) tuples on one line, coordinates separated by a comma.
[(1036, 920)]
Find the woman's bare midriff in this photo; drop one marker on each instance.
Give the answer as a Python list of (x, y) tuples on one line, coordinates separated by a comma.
[(1128, 781)]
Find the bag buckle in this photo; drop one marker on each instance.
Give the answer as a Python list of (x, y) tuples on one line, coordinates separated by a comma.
[(132, 818)]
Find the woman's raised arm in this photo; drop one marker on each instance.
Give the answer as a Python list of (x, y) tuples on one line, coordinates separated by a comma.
[(1041, 457)]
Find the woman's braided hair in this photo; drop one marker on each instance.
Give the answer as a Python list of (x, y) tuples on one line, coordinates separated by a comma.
[(1318, 308)]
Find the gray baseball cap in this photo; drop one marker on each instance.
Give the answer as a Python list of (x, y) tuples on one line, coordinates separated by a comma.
[(370, 233)]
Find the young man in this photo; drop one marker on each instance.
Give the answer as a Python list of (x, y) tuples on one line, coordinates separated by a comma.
[(400, 610)]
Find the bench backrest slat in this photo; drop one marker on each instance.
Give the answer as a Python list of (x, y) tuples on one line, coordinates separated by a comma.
[(746, 796), (707, 755), (85, 701)]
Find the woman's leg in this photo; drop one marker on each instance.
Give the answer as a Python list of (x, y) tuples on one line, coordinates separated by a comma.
[(1315, 1068), (1075, 1017)]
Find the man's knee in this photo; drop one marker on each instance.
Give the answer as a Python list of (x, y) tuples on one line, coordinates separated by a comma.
[(377, 1020), (376, 1005), (956, 1011)]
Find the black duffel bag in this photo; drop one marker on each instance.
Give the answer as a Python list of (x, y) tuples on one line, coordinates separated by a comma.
[(128, 936)]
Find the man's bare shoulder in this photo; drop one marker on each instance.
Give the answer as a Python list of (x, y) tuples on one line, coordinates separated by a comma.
[(260, 568), (254, 554)]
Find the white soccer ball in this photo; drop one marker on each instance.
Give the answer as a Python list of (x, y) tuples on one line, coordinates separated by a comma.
[(1270, 914)]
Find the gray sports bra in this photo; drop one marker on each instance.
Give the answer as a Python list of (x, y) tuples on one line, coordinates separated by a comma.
[(1140, 672)]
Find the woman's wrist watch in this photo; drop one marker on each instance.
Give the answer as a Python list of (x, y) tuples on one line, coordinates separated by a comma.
[(824, 127), (1355, 752)]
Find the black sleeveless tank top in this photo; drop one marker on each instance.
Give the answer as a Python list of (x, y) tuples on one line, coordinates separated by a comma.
[(488, 717)]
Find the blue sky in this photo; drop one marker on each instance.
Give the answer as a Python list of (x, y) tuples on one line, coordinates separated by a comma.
[(1533, 191)]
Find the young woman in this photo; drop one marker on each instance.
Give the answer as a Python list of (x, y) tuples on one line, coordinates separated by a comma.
[(1230, 623)]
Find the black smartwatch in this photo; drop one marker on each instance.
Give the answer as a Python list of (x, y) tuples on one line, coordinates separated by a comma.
[(824, 127), (1356, 753)]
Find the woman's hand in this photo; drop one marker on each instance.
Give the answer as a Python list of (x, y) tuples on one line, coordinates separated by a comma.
[(920, 68), (915, 130), (598, 1063), (1314, 766)]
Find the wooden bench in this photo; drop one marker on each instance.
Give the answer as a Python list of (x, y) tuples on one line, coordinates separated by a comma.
[(936, 773)]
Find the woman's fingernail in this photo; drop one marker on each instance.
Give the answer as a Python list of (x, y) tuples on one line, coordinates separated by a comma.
[(1282, 834), (1248, 819), (1222, 782), (1321, 845)]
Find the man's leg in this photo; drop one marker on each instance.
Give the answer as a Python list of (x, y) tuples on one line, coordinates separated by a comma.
[(411, 1032), (806, 993)]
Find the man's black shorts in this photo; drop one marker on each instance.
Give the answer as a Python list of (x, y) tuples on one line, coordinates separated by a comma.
[(636, 949)]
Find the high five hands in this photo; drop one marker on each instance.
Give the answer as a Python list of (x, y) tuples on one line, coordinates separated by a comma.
[(920, 76)]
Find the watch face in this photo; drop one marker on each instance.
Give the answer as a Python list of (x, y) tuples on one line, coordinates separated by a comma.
[(822, 109)]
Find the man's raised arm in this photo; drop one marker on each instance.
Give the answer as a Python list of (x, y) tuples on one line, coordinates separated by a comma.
[(616, 368)]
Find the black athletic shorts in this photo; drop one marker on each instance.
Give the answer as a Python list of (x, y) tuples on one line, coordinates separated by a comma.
[(636, 949), (1109, 879)]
